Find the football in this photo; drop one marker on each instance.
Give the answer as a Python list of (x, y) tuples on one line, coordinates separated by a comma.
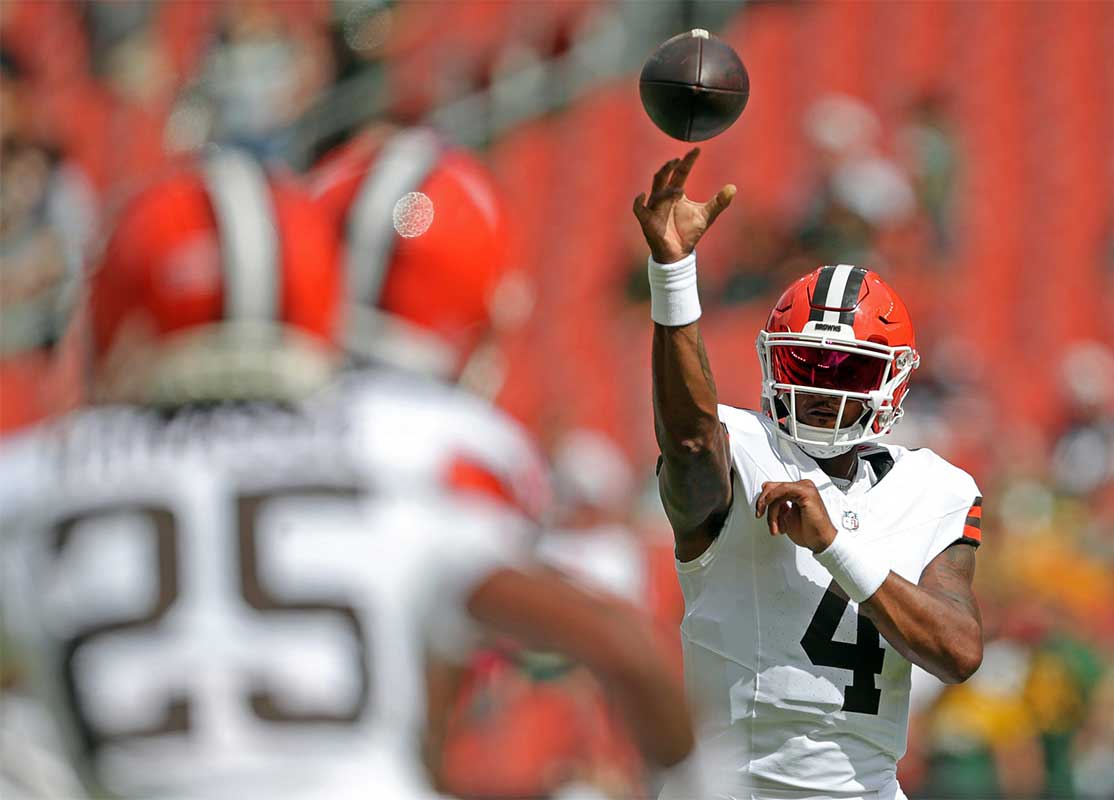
[(694, 86)]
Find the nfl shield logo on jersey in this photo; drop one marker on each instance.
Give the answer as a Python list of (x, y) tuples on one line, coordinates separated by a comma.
[(850, 520)]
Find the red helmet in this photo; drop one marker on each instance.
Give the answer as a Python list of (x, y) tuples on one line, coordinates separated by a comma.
[(424, 230), (839, 331), (218, 282)]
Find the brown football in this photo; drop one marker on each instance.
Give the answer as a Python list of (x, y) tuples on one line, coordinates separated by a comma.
[(694, 86)]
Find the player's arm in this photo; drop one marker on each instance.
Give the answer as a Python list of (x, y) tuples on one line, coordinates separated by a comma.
[(543, 610), (934, 623), (695, 471)]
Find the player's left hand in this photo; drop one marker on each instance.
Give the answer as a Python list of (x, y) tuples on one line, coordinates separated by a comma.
[(796, 510)]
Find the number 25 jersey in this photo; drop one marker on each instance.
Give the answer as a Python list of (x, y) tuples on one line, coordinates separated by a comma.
[(237, 601), (797, 690)]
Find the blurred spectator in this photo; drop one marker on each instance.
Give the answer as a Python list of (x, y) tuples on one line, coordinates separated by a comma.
[(1093, 747), (47, 214), (1083, 455), (928, 150), (1063, 675), (126, 50), (767, 259), (47, 210), (364, 32), (982, 734), (858, 190), (263, 70)]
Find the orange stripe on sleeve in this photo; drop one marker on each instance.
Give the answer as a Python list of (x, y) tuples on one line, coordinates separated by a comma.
[(973, 527)]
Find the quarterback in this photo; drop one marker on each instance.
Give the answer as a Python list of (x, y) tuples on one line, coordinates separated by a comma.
[(817, 563)]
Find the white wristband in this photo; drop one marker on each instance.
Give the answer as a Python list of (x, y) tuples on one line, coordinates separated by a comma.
[(853, 566), (673, 297)]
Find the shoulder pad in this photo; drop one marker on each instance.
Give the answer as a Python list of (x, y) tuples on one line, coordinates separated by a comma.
[(955, 487), (744, 422), (443, 436)]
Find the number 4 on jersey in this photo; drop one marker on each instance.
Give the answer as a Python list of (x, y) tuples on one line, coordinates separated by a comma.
[(864, 658)]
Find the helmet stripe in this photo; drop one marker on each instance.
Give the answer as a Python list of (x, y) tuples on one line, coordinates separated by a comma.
[(836, 294), (850, 297), (404, 163), (241, 200), (834, 299), (820, 294)]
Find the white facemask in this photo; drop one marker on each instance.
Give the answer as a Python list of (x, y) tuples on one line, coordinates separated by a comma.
[(881, 412), (850, 433)]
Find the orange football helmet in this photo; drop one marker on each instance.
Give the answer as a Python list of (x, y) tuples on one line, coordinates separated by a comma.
[(219, 282), (839, 331), (424, 231)]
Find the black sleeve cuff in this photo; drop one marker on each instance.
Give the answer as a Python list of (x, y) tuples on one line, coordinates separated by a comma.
[(965, 540)]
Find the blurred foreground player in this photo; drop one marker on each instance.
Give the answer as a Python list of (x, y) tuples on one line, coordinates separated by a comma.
[(235, 572), (800, 629)]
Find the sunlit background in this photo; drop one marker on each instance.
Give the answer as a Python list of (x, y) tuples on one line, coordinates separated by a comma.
[(963, 150)]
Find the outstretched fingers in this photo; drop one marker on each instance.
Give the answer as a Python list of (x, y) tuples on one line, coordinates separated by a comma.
[(660, 191), (683, 168), (661, 177), (645, 209), (640, 210), (716, 206), (669, 186)]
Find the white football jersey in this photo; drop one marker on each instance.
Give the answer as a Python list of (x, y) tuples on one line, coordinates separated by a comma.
[(796, 689), (237, 601)]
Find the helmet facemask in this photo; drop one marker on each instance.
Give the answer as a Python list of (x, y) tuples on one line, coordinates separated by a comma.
[(846, 368)]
